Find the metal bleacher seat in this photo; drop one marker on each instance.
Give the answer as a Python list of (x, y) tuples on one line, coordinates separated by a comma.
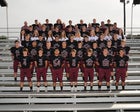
[(13, 100)]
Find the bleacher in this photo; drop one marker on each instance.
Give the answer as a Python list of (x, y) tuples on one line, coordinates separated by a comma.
[(12, 100)]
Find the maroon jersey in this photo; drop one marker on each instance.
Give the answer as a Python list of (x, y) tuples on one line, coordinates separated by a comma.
[(16, 52), (25, 61), (57, 62), (73, 61), (89, 61), (121, 62), (105, 61)]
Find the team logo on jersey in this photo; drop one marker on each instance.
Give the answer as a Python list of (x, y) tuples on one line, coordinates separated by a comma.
[(33, 52), (17, 52), (80, 53), (102, 45), (24, 62), (48, 53), (40, 44), (40, 62), (64, 53), (71, 46), (105, 63), (110, 52), (86, 46), (56, 62), (95, 53), (27, 44), (73, 62), (121, 63), (89, 62), (56, 45), (115, 44)]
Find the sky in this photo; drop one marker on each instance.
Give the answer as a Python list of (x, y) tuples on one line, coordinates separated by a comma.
[(29, 10)]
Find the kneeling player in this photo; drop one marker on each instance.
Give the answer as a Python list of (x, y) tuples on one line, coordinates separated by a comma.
[(41, 64), (104, 63), (89, 61), (57, 64), (25, 64), (121, 63), (73, 64)]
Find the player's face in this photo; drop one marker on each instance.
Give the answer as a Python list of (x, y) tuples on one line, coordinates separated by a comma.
[(115, 36), (105, 51), (95, 45), (121, 52), (40, 38), (48, 45), (57, 38), (72, 38), (109, 43), (73, 54), (34, 44), (56, 52), (49, 32), (25, 53), (79, 45), (102, 37), (40, 52), (64, 44), (89, 53), (27, 37), (86, 39), (123, 43), (17, 44)]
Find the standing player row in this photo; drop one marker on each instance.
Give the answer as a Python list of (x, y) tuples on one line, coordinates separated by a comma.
[(71, 62)]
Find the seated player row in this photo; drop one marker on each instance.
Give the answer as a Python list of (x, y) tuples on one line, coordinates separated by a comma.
[(69, 60), (47, 29)]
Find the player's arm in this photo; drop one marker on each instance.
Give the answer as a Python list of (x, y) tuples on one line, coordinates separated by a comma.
[(97, 62), (50, 65), (19, 64), (35, 63), (12, 56), (46, 64), (84, 65), (31, 64)]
